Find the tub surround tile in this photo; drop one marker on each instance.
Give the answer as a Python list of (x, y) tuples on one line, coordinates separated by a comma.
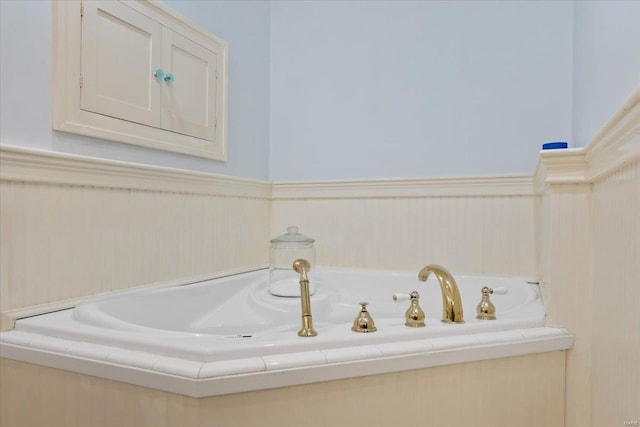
[(135, 359), (232, 367), (63, 361), (348, 354), (404, 347), (460, 341), (294, 360), (540, 333), (91, 351), (150, 379), (51, 344), (20, 338), (499, 337), (180, 367)]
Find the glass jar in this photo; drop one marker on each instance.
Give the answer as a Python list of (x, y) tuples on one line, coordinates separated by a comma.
[(284, 249)]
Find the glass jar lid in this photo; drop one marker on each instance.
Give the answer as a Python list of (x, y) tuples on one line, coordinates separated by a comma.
[(292, 238)]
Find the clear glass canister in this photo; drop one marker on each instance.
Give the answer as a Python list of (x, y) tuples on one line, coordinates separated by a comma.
[(285, 249)]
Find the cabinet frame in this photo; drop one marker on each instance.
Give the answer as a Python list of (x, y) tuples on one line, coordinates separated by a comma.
[(68, 115)]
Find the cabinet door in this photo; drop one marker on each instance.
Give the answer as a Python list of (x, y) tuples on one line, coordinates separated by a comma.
[(189, 101), (121, 50)]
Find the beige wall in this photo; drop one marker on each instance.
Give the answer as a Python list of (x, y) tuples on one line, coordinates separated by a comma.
[(524, 391)]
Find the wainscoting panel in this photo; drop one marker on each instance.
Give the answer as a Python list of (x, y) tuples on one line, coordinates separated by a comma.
[(525, 391), (589, 220), (567, 285), (485, 229), (616, 287), (63, 239)]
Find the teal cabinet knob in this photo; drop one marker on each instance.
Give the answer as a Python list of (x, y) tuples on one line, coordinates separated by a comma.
[(168, 78), (159, 74)]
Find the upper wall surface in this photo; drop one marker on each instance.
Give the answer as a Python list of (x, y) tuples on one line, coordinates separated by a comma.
[(26, 87), (411, 89), (606, 62), (369, 89)]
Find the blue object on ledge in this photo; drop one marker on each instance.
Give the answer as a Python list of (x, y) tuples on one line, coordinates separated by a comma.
[(554, 145)]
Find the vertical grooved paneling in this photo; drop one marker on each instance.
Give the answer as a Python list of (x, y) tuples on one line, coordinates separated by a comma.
[(17, 252), (6, 237), (480, 234), (616, 278), (589, 225), (64, 242), (524, 391), (567, 280)]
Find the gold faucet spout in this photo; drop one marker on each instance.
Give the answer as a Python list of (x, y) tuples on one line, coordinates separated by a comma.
[(302, 266), (451, 301)]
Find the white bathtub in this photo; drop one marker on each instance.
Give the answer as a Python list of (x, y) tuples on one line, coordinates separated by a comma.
[(229, 335)]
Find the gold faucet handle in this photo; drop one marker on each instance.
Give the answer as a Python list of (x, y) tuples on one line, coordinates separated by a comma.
[(485, 309), (364, 321), (414, 316), (401, 297)]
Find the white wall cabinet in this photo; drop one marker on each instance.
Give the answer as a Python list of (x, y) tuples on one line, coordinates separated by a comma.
[(137, 73)]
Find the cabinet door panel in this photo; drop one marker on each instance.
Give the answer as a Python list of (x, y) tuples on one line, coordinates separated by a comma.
[(121, 49), (189, 102)]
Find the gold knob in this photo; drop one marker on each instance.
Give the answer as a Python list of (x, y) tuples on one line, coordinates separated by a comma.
[(414, 316), (363, 322), (485, 309)]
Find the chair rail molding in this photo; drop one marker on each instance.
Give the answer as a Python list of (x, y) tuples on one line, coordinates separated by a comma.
[(477, 186), (616, 145), (31, 165)]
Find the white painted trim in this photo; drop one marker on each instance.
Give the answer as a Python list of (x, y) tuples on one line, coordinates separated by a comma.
[(616, 145), (564, 166), (169, 18), (508, 185), (29, 165), (623, 120)]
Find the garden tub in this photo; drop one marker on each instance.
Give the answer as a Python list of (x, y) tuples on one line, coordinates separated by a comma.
[(231, 334)]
